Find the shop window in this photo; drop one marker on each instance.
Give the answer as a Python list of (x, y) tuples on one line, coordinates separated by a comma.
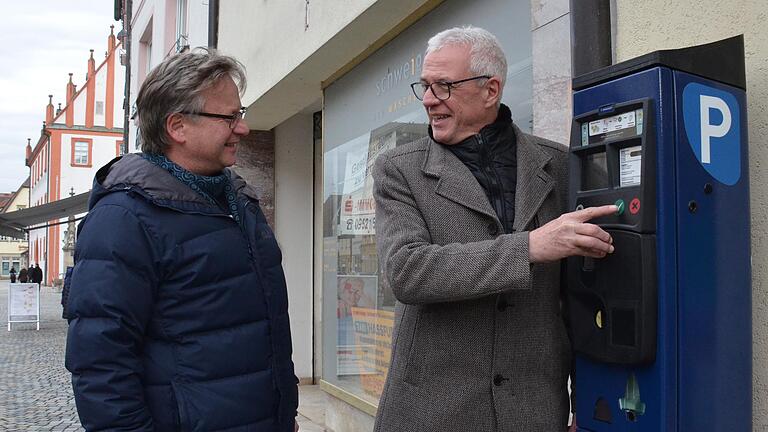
[(364, 303)]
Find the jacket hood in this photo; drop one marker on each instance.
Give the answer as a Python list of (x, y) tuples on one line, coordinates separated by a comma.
[(133, 172)]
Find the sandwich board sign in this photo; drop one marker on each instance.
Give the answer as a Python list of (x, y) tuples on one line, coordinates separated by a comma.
[(23, 303)]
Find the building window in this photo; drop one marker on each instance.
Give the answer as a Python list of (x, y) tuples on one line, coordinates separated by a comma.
[(182, 39), (99, 107), (145, 53), (6, 266), (82, 152)]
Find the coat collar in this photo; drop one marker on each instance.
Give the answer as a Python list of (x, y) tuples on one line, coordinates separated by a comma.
[(456, 182)]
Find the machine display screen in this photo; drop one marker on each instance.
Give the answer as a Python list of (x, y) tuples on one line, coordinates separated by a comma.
[(594, 172), (620, 126)]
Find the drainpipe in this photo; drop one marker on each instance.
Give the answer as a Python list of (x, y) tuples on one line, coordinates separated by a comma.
[(123, 11), (213, 23), (590, 35)]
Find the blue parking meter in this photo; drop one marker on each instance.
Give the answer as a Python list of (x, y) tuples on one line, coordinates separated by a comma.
[(662, 327)]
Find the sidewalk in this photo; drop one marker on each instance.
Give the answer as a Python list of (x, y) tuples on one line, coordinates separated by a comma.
[(312, 409), (35, 389)]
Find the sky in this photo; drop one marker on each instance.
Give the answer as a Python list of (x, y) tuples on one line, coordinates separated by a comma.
[(41, 42)]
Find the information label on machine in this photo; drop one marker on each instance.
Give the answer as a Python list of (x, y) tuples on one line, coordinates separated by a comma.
[(618, 122), (630, 163), (618, 127)]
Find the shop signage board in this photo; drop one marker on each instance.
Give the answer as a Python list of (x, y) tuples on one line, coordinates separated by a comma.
[(23, 304)]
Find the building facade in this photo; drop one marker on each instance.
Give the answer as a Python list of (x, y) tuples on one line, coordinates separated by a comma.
[(13, 251), (75, 141)]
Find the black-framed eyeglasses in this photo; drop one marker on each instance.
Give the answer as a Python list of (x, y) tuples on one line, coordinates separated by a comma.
[(441, 89), (232, 120)]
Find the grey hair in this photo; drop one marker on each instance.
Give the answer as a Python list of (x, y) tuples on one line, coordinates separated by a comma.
[(485, 56), (177, 85)]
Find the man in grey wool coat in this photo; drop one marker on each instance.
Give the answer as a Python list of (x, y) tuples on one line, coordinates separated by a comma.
[(470, 234)]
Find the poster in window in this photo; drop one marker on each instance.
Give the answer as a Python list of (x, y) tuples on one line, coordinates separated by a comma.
[(354, 291)]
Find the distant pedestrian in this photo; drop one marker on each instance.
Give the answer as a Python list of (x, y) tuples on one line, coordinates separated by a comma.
[(65, 292), (37, 275), (23, 275), (13, 275)]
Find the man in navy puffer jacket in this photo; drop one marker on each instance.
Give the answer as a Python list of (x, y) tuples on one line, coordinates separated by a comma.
[(178, 310)]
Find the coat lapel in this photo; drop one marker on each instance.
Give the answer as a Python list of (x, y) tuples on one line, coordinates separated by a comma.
[(455, 181), (533, 183)]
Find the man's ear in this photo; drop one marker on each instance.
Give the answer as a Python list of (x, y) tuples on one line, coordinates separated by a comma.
[(493, 91), (174, 127)]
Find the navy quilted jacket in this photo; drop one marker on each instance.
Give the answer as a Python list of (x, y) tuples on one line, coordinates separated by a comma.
[(178, 320)]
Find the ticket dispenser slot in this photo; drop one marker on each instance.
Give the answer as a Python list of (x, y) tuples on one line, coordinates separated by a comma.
[(613, 301)]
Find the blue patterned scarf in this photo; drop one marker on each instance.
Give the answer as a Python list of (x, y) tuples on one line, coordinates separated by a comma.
[(216, 189)]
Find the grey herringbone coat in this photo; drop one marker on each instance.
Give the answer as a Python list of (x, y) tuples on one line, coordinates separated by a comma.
[(479, 343)]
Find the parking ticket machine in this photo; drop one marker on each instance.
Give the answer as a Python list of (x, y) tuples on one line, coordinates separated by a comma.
[(662, 327)]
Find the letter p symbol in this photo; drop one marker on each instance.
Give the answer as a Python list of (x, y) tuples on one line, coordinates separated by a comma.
[(714, 114), (709, 130)]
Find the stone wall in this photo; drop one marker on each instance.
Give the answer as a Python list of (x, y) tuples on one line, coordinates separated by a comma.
[(256, 164)]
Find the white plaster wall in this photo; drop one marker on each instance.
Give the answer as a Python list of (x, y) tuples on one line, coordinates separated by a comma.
[(79, 104), (650, 25), (294, 231), (143, 12), (101, 95), (286, 77), (139, 25), (268, 22), (38, 235), (39, 189), (81, 178), (119, 112), (37, 193)]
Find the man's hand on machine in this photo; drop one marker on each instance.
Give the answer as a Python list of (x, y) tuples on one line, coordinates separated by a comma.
[(571, 235)]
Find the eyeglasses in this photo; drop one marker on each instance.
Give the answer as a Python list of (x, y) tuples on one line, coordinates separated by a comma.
[(441, 89), (232, 120)]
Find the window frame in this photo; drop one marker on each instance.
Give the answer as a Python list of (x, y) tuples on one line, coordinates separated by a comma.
[(89, 162)]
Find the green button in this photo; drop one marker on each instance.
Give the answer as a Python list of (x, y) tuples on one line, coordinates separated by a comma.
[(620, 206)]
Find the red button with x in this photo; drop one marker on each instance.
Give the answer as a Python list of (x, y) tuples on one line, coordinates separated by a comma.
[(634, 206)]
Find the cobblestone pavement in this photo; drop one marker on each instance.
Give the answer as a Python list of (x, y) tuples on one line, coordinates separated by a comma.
[(35, 388)]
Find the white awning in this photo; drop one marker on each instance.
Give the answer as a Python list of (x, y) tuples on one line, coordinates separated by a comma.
[(13, 224)]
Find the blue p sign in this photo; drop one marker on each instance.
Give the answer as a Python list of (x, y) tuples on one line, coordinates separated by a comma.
[(712, 125)]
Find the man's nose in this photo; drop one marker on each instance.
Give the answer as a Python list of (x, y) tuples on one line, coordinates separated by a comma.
[(429, 98), (241, 128)]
